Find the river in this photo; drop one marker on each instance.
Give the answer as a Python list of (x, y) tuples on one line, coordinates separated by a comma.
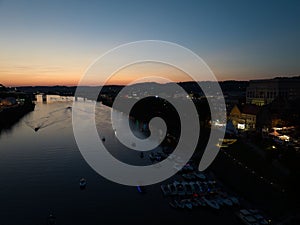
[(40, 172)]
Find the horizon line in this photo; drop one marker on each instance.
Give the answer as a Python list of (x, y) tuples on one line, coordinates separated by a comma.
[(65, 85)]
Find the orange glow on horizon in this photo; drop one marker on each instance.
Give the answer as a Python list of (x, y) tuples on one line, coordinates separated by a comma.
[(70, 75), (147, 71), (22, 80), (71, 78)]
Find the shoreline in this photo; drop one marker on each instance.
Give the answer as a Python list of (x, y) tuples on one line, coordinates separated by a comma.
[(11, 115)]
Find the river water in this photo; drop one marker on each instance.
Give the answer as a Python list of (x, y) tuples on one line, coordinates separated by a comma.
[(40, 172)]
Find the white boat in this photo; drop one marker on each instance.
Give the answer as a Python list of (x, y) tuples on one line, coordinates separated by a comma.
[(200, 186), (179, 204), (173, 205), (211, 203), (82, 183), (227, 201), (152, 156), (200, 175), (234, 200), (187, 203), (189, 176), (219, 200), (194, 202), (187, 187), (141, 189), (247, 217), (172, 189), (179, 188), (188, 168), (51, 220), (195, 187), (166, 191), (200, 202)]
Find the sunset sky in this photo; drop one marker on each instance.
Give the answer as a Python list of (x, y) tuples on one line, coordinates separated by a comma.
[(54, 42)]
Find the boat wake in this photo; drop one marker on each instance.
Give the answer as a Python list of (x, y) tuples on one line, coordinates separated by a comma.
[(50, 119)]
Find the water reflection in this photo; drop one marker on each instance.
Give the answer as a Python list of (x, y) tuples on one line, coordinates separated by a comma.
[(45, 119), (40, 171)]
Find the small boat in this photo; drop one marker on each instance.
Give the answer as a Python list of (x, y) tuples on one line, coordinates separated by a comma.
[(173, 205), (172, 189), (194, 202), (140, 189), (195, 187), (187, 203), (211, 203), (200, 202), (220, 201), (189, 176), (227, 201), (200, 175), (51, 220), (187, 187), (166, 191), (179, 204), (82, 183), (152, 157), (234, 200), (179, 187), (188, 168)]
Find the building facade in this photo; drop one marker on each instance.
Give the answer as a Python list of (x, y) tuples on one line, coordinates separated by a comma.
[(262, 92), (244, 117)]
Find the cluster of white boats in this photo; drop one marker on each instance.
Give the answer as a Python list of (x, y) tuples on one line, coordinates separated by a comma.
[(196, 190), (252, 217)]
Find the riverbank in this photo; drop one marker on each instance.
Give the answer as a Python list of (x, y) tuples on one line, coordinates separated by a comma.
[(248, 176), (255, 189), (11, 115)]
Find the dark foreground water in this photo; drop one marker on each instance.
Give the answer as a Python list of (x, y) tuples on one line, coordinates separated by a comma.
[(40, 172)]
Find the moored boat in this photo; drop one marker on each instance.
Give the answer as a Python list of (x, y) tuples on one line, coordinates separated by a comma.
[(194, 202), (172, 189), (188, 188), (140, 189), (179, 187), (195, 187), (227, 201), (82, 183), (166, 191), (51, 220), (200, 175), (173, 205), (187, 203), (179, 204), (200, 202), (234, 200), (213, 204)]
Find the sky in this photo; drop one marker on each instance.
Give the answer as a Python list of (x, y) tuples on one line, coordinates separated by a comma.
[(54, 42)]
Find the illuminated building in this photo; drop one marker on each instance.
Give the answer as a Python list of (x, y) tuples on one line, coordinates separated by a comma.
[(244, 117), (262, 92)]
